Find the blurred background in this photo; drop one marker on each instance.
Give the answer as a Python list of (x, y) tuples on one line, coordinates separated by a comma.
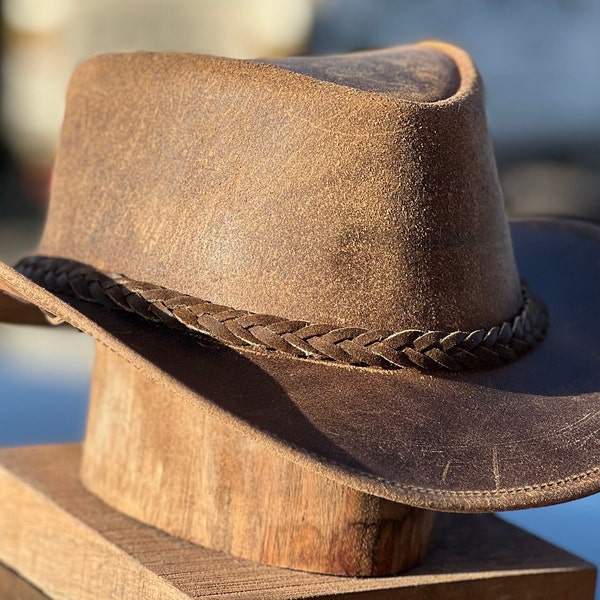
[(540, 61)]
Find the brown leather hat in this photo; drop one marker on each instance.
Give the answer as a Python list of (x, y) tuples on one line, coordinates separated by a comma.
[(316, 250)]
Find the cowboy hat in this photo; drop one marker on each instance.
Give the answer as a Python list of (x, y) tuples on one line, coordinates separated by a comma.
[(316, 251)]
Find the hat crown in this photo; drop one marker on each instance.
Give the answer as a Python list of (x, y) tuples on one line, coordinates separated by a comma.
[(264, 189)]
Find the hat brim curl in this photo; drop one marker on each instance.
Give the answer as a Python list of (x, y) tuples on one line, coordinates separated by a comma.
[(523, 435)]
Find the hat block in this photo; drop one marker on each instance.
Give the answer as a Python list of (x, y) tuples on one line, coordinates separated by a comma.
[(162, 459)]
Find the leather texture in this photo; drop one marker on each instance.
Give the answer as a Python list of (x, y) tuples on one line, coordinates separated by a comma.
[(303, 194), (271, 191)]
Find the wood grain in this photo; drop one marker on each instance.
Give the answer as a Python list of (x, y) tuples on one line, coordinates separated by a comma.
[(163, 460), (69, 544)]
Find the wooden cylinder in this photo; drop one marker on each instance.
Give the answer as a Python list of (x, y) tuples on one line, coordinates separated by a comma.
[(163, 460)]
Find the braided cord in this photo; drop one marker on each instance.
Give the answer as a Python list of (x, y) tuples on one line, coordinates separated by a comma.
[(381, 348)]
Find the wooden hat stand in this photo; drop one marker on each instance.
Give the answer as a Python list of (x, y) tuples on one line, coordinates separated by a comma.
[(161, 459), (214, 513)]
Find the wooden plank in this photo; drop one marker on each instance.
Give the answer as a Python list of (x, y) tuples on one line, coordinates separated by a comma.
[(71, 545)]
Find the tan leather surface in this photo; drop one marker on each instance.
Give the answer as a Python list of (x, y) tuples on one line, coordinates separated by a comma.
[(522, 435), (270, 191)]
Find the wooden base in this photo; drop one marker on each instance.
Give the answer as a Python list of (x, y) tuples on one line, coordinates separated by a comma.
[(69, 544), (163, 460)]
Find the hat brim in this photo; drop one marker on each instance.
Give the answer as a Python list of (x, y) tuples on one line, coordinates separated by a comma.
[(523, 435)]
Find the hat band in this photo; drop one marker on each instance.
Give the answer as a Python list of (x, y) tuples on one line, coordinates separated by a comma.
[(380, 348)]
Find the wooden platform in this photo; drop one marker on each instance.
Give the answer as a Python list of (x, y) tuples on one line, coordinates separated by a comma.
[(69, 544)]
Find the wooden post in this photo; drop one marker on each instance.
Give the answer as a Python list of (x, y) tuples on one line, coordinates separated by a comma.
[(163, 460)]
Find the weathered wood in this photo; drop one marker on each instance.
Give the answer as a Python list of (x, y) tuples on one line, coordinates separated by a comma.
[(71, 545), (163, 460)]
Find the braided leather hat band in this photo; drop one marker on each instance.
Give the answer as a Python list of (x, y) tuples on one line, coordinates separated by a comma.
[(380, 348)]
